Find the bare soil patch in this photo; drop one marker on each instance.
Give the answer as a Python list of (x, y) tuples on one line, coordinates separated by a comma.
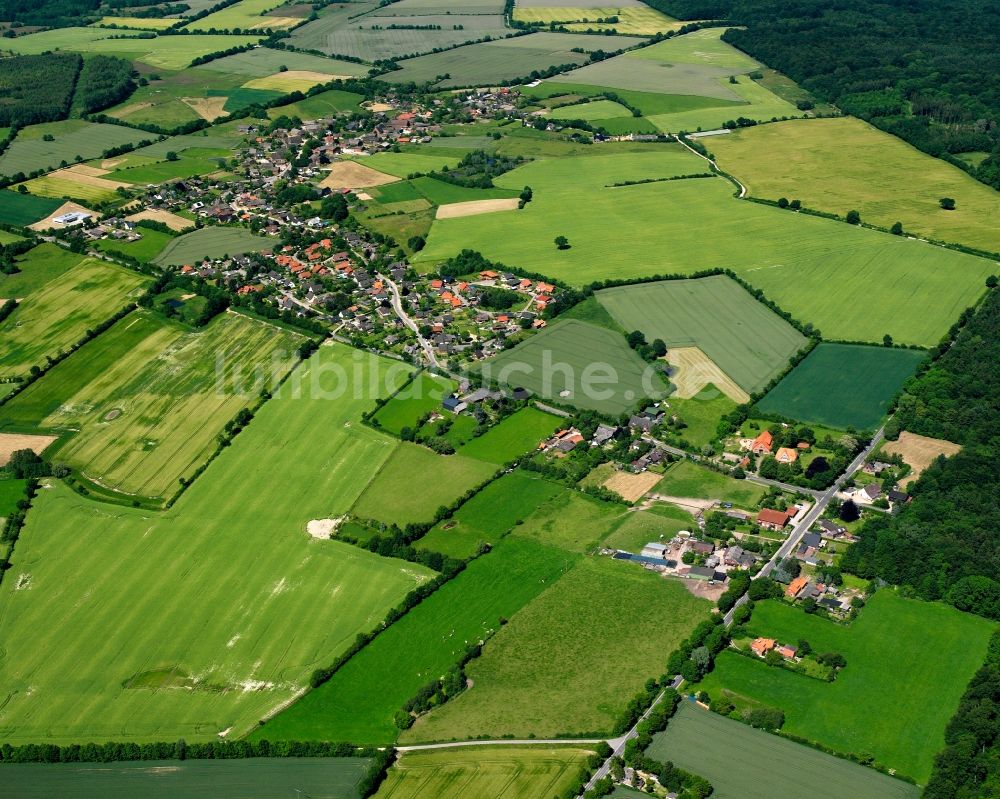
[(208, 108), (695, 370), (377, 108), (631, 486), (690, 504), (701, 588), (12, 442), (323, 529), (919, 452), (476, 207), (351, 175), (172, 221), (65, 208)]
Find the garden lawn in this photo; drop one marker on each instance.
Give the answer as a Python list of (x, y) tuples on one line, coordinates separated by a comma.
[(359, 701), (836, 165), (877, 706), (158, 382), (415, 482), (880, 283), (843, 385), (745, 763), (211, 242), (142, 626), (489, 514), (57, 315), (557, 668), (687, 479), (579, 364), (745, 338), (513, 436), (527, 772), (424, 394)]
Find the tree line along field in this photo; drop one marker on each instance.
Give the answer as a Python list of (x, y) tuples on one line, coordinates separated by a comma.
[(139, 626), (745, 763), (59, 313), (331, 778), (211, 242), (897, 716), (883, 284), (843, 385), (141, 406), (836, 165), (748, 341), (533, 772)]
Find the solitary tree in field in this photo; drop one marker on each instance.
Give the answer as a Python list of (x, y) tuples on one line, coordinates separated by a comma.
[(562, 243), (853, 218), (782, 202), (947, 203), (887, 340), (897, 229)]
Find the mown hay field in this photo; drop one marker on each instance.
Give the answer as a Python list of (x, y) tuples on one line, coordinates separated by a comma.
[(686, 479), (527, 772), (919, 452), (421, 396), (883, 284), (359, 701), (744, 763), (141, 406), (843, 385), (579, 364), (548, 673), (898, 716), (212, 242), (836, 165), (58, 315), (139, 626), (745, 338)]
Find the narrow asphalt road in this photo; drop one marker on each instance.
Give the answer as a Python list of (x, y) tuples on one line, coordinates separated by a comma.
[(504, 742), (397, 307)]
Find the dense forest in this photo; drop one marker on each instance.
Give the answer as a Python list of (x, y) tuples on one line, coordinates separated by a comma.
[(104, 81), (945, 543), (923, 70), (37, 88), (55, 13)]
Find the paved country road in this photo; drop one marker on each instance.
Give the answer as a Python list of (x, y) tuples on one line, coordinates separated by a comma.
[(397, 307)]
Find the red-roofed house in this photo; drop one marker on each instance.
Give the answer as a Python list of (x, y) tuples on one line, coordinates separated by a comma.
[(762, 444), (774, 519), (761, 646), (796, 585)]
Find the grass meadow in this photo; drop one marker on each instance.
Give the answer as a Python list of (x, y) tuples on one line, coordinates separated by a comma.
[(512, 437), (319, 105), (527, 772), (552, 671), (490, 514), (745, 763), (882, 284), (560, 362), (155, 626), (329, 778), (190, 162), (898, 716), (24, 209), (158, 382), (211, 242), (11, 492), (145, 249), (414, 482), (262, 61), (836, 165), (74, 139), (687, 479), (424, 394), (58, 315), (747, 340), (572, 521), (843, 385), (649, 103), (359, 701), (701, 414), (36, 268), (639, 528)]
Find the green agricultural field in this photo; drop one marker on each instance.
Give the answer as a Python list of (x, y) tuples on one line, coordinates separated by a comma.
[(551, 671), (11, 492), (745, 763), (761, 104), (6, 237), (317, 777), (319, 105), (580, 364), (359, 701), (193, 161), (591, 111), (145, 249), (61, 186), (58, 315), (175, 624), (262, 61), (641, 527), (246, 15), (573, 521), (211, 242), (836, 165), (897, 716), (747, 340), (72, 138), (24, 209), (438, 192), (36, 268), (512, 437), (424, 394), (686, 479), (141, 406), (414, 482), (884, 284), (843, 385), (521, 771), (490, 514), (648, 102), (408, 163)]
